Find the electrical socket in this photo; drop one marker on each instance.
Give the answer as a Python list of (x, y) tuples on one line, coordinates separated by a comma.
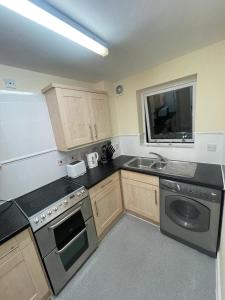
[(211, 147), (10, 83), (72, 158), (61, 162)]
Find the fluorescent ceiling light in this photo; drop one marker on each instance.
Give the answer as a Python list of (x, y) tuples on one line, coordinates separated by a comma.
[(8, 92), (37, 14)]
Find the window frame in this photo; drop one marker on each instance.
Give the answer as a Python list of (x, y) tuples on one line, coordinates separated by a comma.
[(146, 125)]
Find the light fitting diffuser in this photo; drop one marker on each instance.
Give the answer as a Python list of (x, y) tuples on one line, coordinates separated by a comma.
[(9, 92), (35, 13)]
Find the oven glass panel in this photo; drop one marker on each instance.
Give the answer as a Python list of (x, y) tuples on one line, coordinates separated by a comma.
[(68, 229), (188, 213), (70, 255)]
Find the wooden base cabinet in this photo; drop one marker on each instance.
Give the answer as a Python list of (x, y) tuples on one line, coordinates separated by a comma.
[(141, 194), (21, 274), (106, 201)]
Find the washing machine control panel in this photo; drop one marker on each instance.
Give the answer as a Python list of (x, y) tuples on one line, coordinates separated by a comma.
[(191, 190)]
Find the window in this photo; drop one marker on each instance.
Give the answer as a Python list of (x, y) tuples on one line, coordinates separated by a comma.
[(168, 114)]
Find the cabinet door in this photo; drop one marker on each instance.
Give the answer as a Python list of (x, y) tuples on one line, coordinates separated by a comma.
[(100, 116), (75, 113), (35, 271), (15, 279), (141, 198), (107, 205), (21, 275)]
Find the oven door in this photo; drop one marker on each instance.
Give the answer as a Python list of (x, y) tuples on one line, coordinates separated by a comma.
[(70, 236), (60, 231), (187, 213), (75, 240)]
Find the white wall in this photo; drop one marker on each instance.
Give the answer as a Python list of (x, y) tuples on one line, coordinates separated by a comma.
[(25, 130), (130, 145), (27, 80), (207, 63), (25, 127)]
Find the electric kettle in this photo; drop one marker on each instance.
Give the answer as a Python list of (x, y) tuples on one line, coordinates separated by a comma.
[(92, 160)]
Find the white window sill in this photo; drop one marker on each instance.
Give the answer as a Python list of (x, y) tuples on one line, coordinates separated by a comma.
[(170, 145)]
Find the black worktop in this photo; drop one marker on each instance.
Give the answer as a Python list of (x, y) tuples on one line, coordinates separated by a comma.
[(209, 175), (12, 221), (97, 174)]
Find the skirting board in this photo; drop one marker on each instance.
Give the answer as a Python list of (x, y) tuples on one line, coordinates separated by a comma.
[(218, 279), (130, 214)]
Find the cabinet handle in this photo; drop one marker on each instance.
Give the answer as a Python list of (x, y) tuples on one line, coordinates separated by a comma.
[(110, 181), (96, 209), (91, 132), (156, 202), (96, 131)]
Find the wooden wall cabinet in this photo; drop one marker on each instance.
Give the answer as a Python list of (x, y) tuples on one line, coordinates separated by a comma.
[(141, 194), (100, 116), (106, 201), (21, 273), (78, 116)]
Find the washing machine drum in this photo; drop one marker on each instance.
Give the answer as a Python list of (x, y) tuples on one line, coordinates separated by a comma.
[(187, 213)]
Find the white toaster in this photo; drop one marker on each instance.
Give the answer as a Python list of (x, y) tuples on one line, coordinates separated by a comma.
[(76, 168)]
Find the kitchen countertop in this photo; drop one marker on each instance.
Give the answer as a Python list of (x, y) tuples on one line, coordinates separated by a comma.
[(97, 174), (12, 221), (209, 175)]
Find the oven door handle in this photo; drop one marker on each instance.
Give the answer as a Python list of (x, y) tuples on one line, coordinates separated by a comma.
[(64, 219), (71, 242)]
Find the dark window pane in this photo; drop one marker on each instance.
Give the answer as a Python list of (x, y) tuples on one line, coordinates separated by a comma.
[(170, 114)]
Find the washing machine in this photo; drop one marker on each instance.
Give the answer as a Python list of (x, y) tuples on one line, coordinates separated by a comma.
[(191, 214)]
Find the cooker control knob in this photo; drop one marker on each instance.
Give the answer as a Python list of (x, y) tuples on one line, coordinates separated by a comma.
[(79, 193), (65, 202), (43, 216), (49, 212), (36, 220), (55, 208), (82, 192)]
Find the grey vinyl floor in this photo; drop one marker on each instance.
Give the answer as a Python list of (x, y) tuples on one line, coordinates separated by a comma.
[(136, 262)]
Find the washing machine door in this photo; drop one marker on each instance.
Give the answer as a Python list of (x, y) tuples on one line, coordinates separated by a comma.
[(187, 213)]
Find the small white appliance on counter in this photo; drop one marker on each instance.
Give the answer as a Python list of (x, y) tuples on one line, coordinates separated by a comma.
[(92, 159), (76, 168)]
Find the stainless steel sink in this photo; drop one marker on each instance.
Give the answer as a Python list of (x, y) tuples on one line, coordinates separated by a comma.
[(170, 167), (159, 165), (140, 163), (180, 168)]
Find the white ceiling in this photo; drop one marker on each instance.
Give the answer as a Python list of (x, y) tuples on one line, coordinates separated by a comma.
[(140, 34)]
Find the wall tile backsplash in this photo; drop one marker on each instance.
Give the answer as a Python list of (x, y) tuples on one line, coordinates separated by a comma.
[(80, 154), (24, 175)]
